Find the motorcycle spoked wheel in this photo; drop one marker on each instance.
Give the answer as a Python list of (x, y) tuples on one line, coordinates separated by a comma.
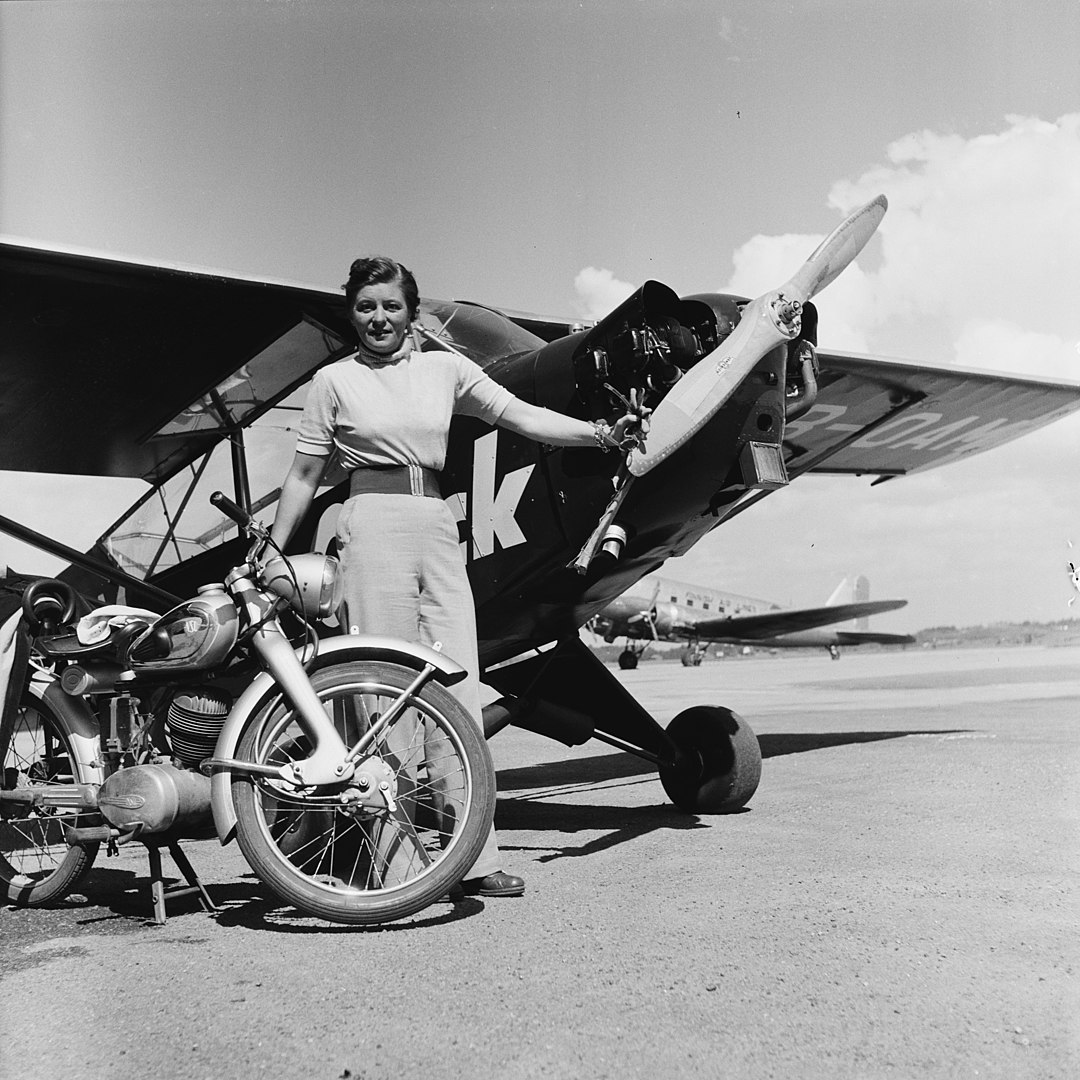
[(37, 865), (368, 866)]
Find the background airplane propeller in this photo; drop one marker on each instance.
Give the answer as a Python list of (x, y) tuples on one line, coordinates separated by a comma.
[(765, 323), (648, 615)]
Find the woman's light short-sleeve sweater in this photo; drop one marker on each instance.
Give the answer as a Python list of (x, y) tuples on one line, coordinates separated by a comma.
[(397, 413)]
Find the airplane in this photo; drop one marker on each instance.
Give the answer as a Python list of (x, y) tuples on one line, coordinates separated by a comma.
[(194, 380), (669, 610)]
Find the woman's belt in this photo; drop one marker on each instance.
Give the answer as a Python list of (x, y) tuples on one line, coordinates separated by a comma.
[(394, 480)]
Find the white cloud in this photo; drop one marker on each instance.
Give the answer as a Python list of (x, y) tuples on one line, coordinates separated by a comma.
[(998, 344), (599, 292), (976, 263), (980, 233), (981, 229)]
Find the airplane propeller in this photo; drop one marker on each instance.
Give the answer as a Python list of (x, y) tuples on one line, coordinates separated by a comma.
[(766, 322), (648, 615)]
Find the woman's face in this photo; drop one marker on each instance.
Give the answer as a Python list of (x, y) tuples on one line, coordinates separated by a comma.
[(381, 317)]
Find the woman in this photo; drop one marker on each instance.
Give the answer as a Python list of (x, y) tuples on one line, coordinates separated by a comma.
[(385, 413)]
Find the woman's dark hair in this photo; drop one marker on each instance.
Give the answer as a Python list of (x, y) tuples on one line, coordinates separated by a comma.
[(379, 270)]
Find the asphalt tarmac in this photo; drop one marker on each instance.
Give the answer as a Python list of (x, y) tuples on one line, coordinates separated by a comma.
[(900, 899)]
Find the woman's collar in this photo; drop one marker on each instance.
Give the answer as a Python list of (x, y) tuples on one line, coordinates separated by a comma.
[(374, 359)]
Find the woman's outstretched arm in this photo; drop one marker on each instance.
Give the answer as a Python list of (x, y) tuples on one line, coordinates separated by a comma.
[(548, 426)]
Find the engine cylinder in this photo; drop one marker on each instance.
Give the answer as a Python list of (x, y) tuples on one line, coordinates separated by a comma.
[(194, 722), (157, 797)]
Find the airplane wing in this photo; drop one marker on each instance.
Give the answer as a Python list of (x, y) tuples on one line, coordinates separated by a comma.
[(774, 623), (118, 368), (892, 418), (125, 369), (122, 369)]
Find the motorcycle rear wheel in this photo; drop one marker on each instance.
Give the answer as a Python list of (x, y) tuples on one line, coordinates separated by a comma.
[(368, 866), (37, 865)]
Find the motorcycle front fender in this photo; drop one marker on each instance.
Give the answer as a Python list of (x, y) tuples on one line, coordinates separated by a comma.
[(263, 688)]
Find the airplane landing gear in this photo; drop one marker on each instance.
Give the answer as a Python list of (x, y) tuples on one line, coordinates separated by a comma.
[(708, 758), (628, 660), (718, 766), (693, 654)]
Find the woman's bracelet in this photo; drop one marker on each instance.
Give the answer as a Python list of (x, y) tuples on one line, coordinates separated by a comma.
[(602, 434)]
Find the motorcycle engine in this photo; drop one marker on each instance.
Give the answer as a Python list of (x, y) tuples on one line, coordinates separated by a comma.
[(193, 723)]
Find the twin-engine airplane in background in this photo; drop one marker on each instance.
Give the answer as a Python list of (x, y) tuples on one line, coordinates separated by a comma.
[(662, 609), (193, 381)]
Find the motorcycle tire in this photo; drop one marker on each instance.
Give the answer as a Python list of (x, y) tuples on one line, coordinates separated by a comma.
[(37, 865), (366, 864)]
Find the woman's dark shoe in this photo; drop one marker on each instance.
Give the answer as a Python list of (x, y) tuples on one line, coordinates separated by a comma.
[(497, 884)]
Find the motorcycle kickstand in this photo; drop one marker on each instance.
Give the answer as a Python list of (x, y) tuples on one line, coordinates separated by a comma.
[(159, 893)]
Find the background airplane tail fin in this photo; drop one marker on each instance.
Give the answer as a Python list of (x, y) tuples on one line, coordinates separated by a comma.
[(852, 591)]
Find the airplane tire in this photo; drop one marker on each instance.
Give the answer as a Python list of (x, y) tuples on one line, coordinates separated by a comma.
[(718, 766), (627, 660)]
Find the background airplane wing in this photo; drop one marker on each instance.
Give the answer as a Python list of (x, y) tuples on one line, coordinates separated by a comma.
[(773, 623), (893, 418), (871, 637)]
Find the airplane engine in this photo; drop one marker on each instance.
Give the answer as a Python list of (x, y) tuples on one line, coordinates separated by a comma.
[(646, 344), (667, 619)]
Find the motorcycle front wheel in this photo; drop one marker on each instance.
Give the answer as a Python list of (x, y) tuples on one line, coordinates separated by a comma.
[(345, 860), (37, 865)]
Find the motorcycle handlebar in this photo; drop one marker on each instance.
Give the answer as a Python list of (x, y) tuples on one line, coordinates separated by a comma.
[(230, 509)]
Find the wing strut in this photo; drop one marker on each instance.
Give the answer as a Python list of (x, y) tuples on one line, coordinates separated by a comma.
[(235, 434), (171, 520), (110, 573)]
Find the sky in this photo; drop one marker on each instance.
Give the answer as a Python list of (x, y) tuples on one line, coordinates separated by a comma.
[(549, 156)]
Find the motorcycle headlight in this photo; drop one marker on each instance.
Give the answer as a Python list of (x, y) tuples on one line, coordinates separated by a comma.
[(310, 583)]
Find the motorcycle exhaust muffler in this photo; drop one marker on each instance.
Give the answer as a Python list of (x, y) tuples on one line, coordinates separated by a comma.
[(155, 799)]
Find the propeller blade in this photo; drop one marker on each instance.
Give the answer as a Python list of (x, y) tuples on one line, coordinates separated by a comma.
[(834, 253), (766, 322)]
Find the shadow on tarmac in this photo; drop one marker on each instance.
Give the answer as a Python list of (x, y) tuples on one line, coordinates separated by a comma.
[(251, 904), (531, 811), (778, 745), (602, 767), (119, 902), (617, 824)]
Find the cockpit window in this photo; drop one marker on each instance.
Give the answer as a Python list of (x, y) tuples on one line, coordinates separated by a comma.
[(481, 334), (251, 389)]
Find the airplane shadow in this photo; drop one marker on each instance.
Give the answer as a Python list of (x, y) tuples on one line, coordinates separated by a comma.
[(780, 744), (527, 794), (605, 767), (617, 824)]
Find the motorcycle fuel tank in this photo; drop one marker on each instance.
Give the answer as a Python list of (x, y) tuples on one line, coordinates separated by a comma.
[(194, 636)]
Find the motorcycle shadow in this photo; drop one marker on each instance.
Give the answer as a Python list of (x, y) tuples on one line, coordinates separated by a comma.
[(250, 904), (122, 894)]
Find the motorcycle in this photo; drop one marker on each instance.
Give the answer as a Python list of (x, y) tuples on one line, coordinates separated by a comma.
[(358, 788)]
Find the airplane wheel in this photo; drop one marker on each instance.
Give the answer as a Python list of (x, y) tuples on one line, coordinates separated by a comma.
[(627, 660), (718, 766)]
